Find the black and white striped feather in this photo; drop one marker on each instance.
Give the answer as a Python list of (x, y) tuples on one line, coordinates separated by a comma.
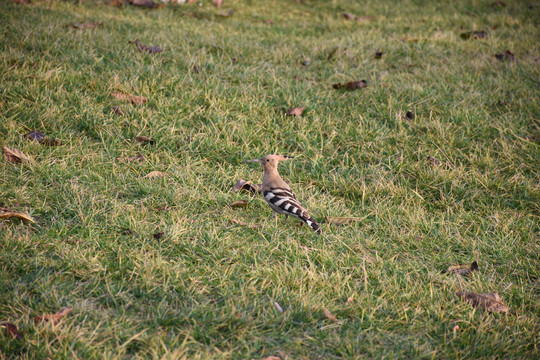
[(283, 201)]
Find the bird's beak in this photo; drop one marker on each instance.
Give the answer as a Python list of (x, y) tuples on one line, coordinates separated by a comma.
[(254, 160)]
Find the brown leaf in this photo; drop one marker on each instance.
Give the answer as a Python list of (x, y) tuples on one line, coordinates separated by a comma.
[(158, 235), (137, 100), (130, 159), (117, 110), (351, 85), (473, 35), (143, 48), (463, 269), (21, 2), (489, 302), (247, 186), (329, 315), (217, 3), (455, 329), (378, 54), (127, 232), (7, 213), (349, 300), (15, 156), (155, 174), (196, 69), (297, 111), (144, 139), (116, 3), (82, 26), (12, 330), (434, 161), (269, 21), (349, 16), (53, 318), (341, 220), (238, 222), (226, 13), (42, 139), (149, 4), (239, 203), (409, 115), (498, 4), (505, 56)]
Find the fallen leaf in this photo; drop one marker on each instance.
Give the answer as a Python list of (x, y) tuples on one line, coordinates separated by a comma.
[(129, 159), (189, 220), (351, 85), (505, 56), (378, 54), (329, 315), (12, 330), (248, 186), (473, 35), (144, 139), (278, 308), (53, 318), (239, 203), (149, 4), (217, 3), (498, 4), (269, 21), (127, 232), (151, 50), (158, 235), (409, 115), (349, 300), (155, 174), (21, 2), (455, 329), (117, 110), (82, 26), (434, 161), (297, 111), (137, 100), (42, 139), (15, 156), (245, 224), (196, 69), (463, 269), (226, 13), (348, 16), (116, 3), (341, 220), (7, 213), (490, 302)]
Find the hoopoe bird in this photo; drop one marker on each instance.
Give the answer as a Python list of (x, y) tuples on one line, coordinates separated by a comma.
[(278, 194)]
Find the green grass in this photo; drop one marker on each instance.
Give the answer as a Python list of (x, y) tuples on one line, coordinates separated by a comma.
[(206, 289)]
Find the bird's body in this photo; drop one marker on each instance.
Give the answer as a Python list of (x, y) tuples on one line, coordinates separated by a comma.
[(279, 195)]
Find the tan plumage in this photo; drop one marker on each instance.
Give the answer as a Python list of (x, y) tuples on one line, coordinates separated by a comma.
[(278, 194)]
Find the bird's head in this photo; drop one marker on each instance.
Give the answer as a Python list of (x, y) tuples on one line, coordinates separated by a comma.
[(271, 161)]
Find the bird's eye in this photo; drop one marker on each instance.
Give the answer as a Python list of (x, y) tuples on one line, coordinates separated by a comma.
[(267, 160)]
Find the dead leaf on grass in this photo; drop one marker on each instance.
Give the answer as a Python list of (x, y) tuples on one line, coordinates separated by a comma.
[(278, 307), (349, 16), (137, 100), (7, 213), (474, 35), (149, 4), (409, 115), (158, 235), (117, 110), (21, 2), (226, 14), (16, 156), (330, 316), (349, 300), (378, 54), (129, 159), (434, 161), (455, 329), (143, 48), (351, 85), (239, 203), (155, 174), (196, 69), (506, 56), (489, 302), (83, 26), (12, 330), (247, 186), (463, 269), (217, 3), (498, 4), (116, 3), (53, 318), (297, 111), (341, 220), (238, 222), (144, 140), (42, 139)]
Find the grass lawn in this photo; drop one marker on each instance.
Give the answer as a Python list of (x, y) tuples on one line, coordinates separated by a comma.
[(455, 181)]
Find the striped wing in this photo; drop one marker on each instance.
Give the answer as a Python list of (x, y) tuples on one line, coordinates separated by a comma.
[(283, 201)]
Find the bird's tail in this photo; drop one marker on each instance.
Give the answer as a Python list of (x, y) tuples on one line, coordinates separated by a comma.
[(312, 224)]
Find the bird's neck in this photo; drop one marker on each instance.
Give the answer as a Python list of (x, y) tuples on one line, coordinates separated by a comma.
[(271, 178)]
